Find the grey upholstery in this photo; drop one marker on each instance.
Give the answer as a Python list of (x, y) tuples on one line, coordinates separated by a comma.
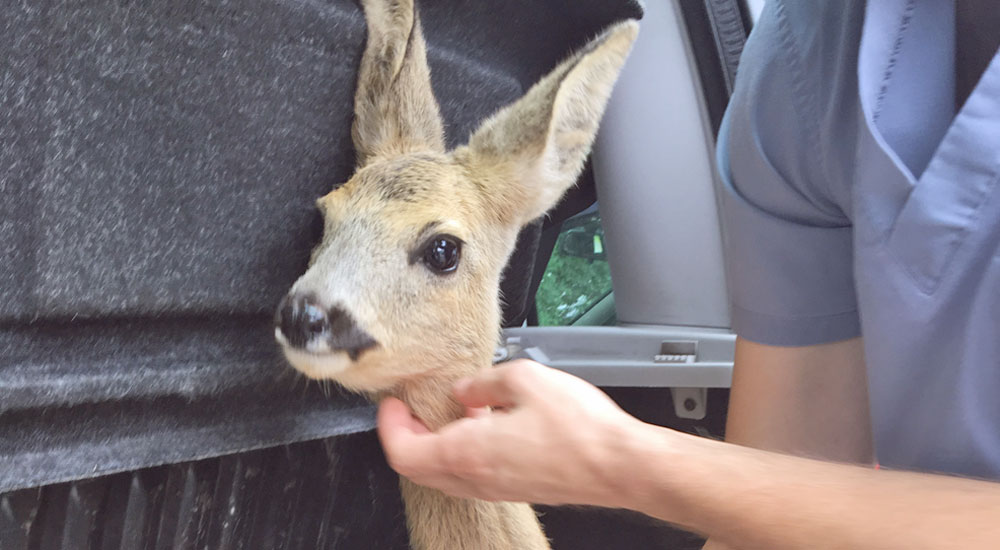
[(158, 166)]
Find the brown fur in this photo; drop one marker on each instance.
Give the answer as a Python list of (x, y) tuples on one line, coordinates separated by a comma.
[(433, 329)]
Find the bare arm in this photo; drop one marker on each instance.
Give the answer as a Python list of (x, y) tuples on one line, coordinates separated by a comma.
[(559, 440), (808, 401), (757, 499)]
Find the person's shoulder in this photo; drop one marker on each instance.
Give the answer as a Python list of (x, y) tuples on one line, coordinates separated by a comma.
[(784, 164), (808, 39), (790, 120), (819, 22)]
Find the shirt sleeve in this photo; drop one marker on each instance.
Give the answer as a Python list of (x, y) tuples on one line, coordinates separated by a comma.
[(788, 243)]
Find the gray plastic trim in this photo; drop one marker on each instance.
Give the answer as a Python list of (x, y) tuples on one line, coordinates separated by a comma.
[(601, 314), (628, 356), (654, 170)]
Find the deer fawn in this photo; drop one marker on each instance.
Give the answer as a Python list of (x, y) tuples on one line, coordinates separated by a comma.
[(402, 295)]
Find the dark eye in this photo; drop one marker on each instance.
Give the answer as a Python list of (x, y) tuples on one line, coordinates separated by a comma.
[(441, 253)]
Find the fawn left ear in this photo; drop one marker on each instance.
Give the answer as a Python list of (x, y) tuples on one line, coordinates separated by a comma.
[(394, 107), (538, 145)]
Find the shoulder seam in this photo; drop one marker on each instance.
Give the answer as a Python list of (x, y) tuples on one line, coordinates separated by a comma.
[(803, 91), (890, 66)]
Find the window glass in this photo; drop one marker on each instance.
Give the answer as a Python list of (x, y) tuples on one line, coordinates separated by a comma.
[(577, 279)]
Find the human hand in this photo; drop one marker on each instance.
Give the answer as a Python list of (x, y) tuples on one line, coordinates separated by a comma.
[(552, 439), (715, 544)]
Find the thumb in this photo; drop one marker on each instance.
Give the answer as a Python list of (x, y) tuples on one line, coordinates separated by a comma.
[(408, 444), (394, 416), (493, 387)]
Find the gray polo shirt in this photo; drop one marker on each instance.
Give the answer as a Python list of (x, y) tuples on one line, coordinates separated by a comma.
[(859, 202)]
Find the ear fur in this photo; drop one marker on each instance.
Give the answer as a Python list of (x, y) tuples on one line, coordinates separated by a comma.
[(394, 107), (540, 142)]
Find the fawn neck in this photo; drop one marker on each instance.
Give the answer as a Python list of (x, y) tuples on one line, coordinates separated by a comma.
[(438, 521), (430, 396)]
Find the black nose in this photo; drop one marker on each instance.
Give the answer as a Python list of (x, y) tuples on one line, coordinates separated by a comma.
[(302, 320)]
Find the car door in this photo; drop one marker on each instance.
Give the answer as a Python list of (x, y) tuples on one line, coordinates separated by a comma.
[(158, 170)]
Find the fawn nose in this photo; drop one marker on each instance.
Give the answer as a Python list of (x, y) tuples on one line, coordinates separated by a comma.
[(303, 321), (300, 320)]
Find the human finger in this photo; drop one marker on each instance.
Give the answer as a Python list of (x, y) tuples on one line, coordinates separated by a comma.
[(409, 446), (488, 388), (477, 412)]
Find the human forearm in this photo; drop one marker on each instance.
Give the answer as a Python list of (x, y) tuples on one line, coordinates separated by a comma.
[(756, 499), (807, 401), (557, 440)]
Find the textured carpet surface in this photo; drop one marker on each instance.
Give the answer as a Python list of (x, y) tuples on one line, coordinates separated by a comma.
[(158, 167)]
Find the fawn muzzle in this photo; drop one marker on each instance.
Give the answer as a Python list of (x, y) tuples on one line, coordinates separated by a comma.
[(302, 323)]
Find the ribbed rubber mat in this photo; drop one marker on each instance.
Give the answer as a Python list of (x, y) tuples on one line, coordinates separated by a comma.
[(331, 494), (335, 493)]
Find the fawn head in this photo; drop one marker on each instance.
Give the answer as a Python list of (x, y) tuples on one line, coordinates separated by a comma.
[(405, 281)]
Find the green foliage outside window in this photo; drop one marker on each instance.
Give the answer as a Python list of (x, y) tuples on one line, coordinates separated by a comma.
[(577, 276)]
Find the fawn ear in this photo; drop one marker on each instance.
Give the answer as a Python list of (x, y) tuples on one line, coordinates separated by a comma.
[(539, 144), (394, 107)]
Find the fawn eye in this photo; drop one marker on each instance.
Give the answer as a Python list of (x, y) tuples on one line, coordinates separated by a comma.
[(441, 253)]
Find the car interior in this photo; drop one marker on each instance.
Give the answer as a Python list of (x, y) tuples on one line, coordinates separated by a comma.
[(159, 169)]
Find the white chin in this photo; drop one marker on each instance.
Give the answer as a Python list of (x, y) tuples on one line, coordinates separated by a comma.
[(318, 365)]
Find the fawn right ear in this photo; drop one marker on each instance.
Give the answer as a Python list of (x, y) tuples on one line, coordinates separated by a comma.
[(536, 147), (394, 107)]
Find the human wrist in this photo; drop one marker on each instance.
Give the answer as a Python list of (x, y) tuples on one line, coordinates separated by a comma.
[(623, 461), (665, 470), (606, 458)]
